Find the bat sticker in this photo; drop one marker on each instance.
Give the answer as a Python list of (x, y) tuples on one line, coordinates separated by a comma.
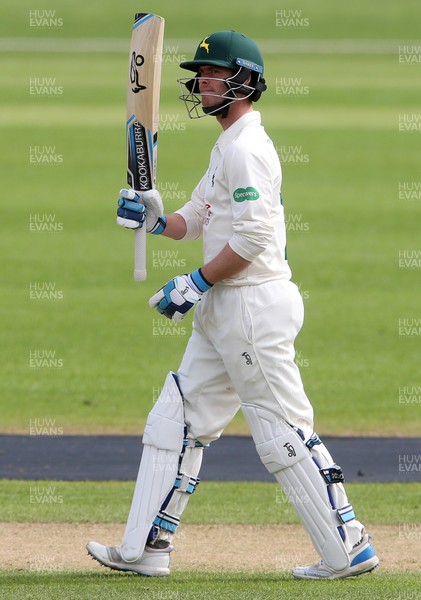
[(137, 61)]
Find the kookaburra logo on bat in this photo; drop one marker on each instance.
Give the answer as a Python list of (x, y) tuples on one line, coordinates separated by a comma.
[(137, 61)]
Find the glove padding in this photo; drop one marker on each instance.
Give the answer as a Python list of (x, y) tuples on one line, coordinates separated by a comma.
[(179, 295), (136, 208)]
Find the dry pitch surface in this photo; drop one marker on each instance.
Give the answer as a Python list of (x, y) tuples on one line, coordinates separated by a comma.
[(61, 547)]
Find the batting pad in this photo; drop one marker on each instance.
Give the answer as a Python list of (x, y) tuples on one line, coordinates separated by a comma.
[(162, 444), (284, 454)]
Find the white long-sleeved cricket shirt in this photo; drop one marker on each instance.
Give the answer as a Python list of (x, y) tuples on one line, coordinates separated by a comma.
[(237, 202)]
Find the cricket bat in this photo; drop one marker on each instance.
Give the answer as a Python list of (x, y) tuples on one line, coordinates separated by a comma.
[(144, 79)]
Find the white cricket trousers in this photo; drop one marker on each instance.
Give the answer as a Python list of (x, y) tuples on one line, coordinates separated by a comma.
[(242, 350)]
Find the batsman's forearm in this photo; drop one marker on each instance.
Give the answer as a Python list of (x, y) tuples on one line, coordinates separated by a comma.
[(225, 264), (176, 227)]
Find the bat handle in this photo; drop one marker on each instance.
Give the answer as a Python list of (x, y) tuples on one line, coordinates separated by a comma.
[(140, 254)]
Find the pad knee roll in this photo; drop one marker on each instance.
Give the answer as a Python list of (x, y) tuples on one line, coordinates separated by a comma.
[(164, 427)]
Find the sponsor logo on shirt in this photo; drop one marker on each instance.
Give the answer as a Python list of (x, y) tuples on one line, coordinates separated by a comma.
[(209, 214), (242, 194)]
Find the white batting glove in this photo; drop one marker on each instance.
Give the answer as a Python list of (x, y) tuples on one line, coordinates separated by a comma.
[(179, 295), (136, 208)]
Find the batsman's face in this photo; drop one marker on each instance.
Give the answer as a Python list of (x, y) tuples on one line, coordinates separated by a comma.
[(211, 83)]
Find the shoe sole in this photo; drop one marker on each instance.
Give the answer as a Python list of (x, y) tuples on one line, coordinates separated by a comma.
[(146, 571), (351, 574)]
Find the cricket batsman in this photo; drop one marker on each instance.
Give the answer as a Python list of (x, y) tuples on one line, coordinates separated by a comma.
[(241, 351)]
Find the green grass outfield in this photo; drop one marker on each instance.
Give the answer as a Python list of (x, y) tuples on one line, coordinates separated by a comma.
[(214, 503), (207, 586), (344, 160)]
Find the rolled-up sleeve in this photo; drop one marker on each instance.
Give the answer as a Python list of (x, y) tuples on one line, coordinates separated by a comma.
[(250, 182)]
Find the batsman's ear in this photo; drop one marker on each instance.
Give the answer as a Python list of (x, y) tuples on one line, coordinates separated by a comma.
[(260, 87)]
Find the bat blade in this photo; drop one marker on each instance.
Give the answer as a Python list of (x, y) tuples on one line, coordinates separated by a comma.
[(144, 79)]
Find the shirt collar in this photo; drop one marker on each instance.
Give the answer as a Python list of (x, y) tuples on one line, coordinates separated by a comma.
[(233, 130)]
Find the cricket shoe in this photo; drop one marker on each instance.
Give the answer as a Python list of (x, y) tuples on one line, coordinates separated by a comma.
[(362, 559), (154, 562)]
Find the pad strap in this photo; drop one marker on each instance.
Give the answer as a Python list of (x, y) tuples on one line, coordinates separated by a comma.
[(332, 474), (346, 513), (167, 522), (313, 440), (187, 484)]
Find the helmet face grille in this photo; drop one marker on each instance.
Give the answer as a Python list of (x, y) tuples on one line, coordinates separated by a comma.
[(193, 98)]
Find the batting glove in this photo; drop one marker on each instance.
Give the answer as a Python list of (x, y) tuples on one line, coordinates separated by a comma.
[(179, 295), (136, 208)]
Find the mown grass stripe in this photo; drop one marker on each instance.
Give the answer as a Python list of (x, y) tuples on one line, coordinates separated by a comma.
[(268, 46)]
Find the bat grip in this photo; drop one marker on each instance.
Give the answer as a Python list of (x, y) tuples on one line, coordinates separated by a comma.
[(140, 253)]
